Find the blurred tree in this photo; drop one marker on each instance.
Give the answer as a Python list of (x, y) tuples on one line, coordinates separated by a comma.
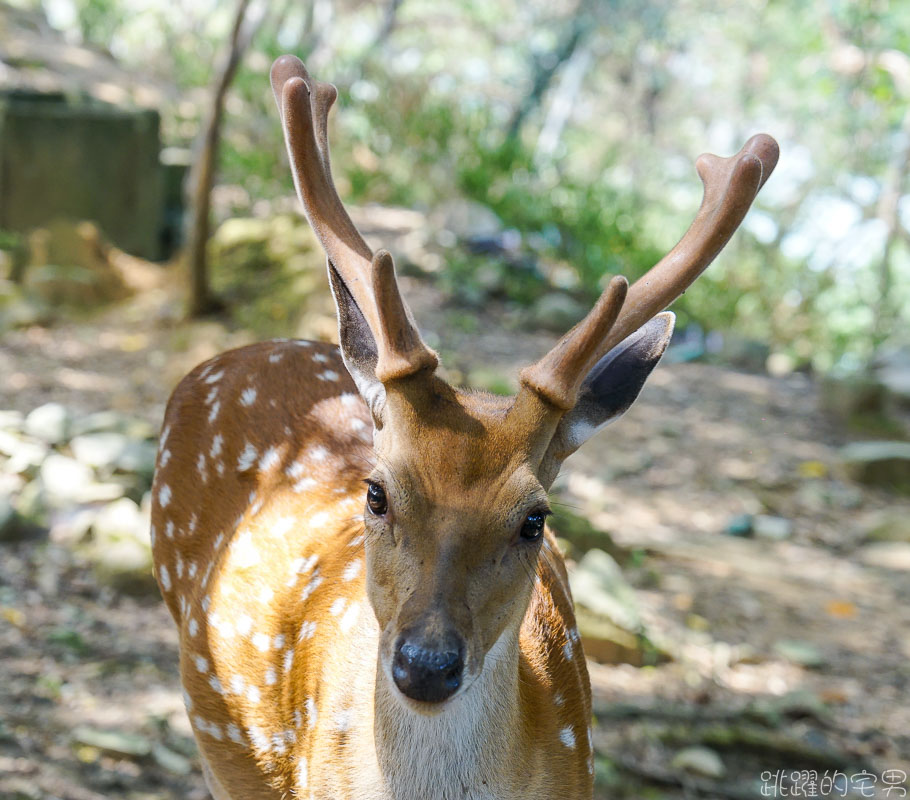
[(202, 176)]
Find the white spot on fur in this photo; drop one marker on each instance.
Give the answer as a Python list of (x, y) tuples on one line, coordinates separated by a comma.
[(311, 712), (202, 664), (261, 642), (328, 375), (169, 529), (164, 458), (216, 684), (317, 454), (349, 618), (288, 659), (266, 594), (215, 377), (165, 577), (352, 570), (164, 496), (320, 358), (338, 606), (269, 459), (567, 737), (271, 677), (193, 626), (214, 412), (567, 650), (217, 444), (282, 526), (259, 739), (320, 519), (311, 586), (248, 396), (304, 485), (200, 468), (234, 734), (244, 554), (253, 694), (244, 624), (278, 641), (302, 777), (237, 684), (307, 630), (275, 358), (247, 458), (343, 719)]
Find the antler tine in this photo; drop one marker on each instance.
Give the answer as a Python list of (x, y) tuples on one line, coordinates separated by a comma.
[(304, 105), (731, 185), (558, 375)]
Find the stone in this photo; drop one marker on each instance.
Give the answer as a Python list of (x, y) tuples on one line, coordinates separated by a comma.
[(11, 420), (740, 525), (887, 555), (125, 566), (775, 529), (800, 652), (117, 743), (24, 455), (557, 311), (889, 527), (50, 423), (65, 479), (121, 519), (885, 464), (598, 584), (113, 421), (699, 761), (170, 761), (112, 451)]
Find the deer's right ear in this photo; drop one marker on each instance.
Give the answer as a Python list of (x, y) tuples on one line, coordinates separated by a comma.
[(609, 389), (357, 343)]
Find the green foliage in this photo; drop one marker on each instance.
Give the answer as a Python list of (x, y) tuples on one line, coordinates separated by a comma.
[(821, 270)]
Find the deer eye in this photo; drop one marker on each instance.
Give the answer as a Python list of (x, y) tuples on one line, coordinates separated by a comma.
[(532, 528), (376, 499)]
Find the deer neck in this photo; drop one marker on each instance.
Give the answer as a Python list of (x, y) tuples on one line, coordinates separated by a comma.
[(459, 752)]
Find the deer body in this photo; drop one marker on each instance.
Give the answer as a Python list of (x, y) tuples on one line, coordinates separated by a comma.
[(369, 604), (279, 655)]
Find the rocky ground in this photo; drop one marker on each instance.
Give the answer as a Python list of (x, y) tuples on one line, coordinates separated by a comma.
[(761, 619)]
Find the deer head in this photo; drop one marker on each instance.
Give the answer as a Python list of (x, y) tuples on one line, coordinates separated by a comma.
[(457, 495)]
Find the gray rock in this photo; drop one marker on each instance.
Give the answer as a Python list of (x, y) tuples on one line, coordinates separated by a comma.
[(115, 742), (99, 449), (121, 519), (111, 451), (774, 529), (125, 566), (50, 423), (173, 762), (24, 454), (699, 761), (65, 480), (879, 463), (115, 422), (11, 420), (800, 652), (598, 584), (557, 311), (888, 555)]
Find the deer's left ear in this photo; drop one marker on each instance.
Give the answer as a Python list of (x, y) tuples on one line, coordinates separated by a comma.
[(609, 389)]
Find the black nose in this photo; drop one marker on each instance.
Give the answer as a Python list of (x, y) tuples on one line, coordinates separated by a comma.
[(427, 673)]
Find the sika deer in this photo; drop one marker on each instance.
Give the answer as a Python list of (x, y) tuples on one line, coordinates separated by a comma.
[(369, 602)]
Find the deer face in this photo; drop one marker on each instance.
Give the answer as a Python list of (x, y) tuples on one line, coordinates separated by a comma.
[(454, 518)]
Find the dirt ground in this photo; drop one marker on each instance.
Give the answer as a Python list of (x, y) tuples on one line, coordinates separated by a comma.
[(789, 654)]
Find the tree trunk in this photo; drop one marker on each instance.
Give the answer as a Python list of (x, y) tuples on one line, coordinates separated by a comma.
[(201, 300)]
